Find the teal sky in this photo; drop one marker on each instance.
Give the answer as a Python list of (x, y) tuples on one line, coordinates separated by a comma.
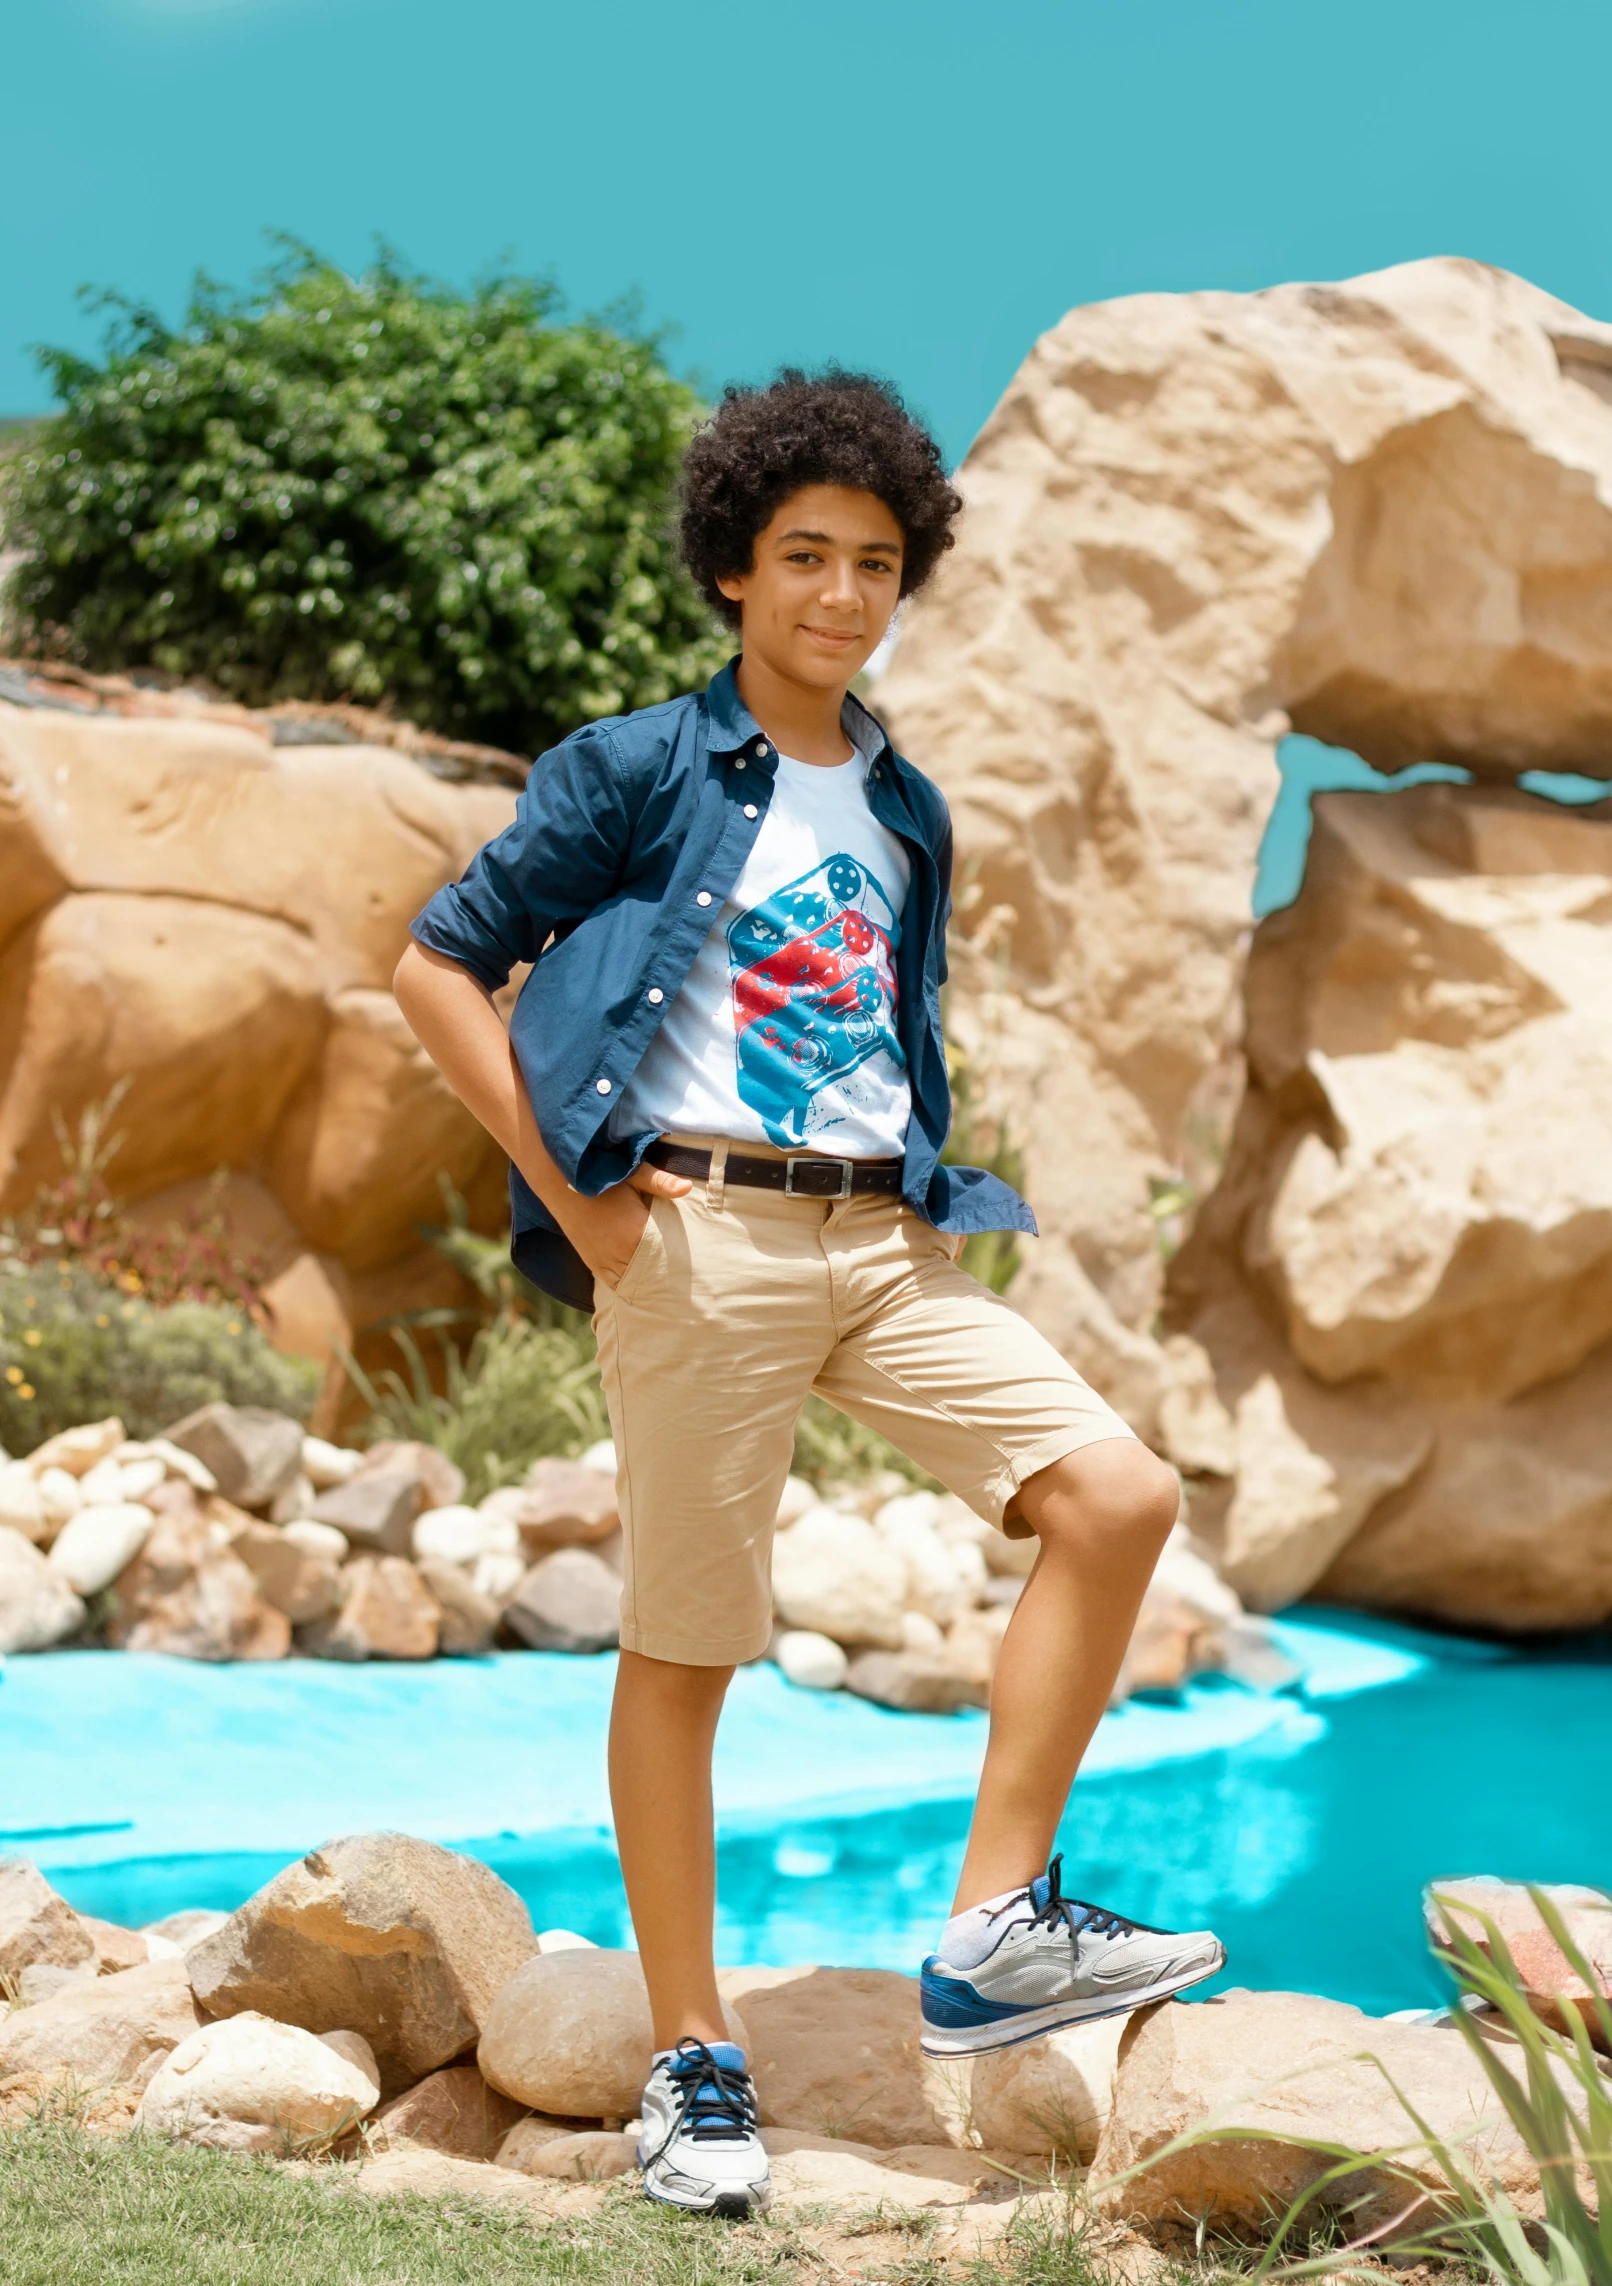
[(917, 185)]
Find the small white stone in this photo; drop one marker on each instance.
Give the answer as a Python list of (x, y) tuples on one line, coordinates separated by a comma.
[(59, 1496), (814, 1662), (101, 1483), (20, 1503), (908, 1508), (919, 1633), (498, 1575), (793, 1502), (142, 1477), (500, 1533), (178, 1462), (317, 1539), (93, 1546), (455, 1535), (602, 1457), (327, 1465)]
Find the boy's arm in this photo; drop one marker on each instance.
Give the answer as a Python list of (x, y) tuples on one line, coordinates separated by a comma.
[(452, 1016)]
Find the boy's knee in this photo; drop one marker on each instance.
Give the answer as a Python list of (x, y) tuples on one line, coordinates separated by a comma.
[(1115, 1492)]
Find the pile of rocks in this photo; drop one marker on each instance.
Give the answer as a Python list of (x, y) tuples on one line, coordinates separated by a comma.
[(237, 1536), (390, 2001)]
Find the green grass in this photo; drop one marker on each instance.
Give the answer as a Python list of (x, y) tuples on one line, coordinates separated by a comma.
[(78, 2209)]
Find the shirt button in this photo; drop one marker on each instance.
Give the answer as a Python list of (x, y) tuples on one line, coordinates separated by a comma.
[(739, 765), (704, 897), (656, 995), (751, 811), (603, 1086), (761, 750)]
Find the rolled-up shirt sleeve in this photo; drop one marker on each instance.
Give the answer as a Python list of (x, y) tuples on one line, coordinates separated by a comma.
[(557, 862)]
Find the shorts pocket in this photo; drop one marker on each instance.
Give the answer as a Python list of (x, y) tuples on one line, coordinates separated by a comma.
[(643, 1257)]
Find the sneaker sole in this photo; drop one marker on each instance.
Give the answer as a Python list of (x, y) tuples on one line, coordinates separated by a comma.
[(1012, 2031), (733, 2206)]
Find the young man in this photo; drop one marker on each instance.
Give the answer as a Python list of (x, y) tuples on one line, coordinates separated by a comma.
[(724, 1095)]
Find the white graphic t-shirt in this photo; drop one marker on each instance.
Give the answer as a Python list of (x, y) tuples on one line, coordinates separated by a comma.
[(785, 1031)]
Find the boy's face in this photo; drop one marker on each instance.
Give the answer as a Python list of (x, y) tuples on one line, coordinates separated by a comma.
[(824, 583)]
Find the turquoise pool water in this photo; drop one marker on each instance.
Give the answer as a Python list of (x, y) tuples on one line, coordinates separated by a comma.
[(1302, 1827)]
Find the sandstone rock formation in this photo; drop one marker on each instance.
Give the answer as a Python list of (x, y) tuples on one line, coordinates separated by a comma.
[(1380, 513), (109, 2031), (215, 917), (453, 2110), (1296, 2070), (835, 2052), (570, 2034), (380, 1934), (249, 2084)]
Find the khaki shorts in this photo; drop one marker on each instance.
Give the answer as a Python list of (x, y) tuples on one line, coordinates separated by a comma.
[(734, 1305)]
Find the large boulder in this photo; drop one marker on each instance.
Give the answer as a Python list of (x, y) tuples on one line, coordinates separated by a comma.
[(835, 2052), (214, 917), (1294, 2070), (1401, 1285), (111, 2031), (1379, 512), (570, 2034), (36, 1925), (380, 1934), (1051, 2097), (249, 2084), (37, 1605)]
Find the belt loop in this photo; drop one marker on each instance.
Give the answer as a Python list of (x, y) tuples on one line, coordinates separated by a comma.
[(716, 1180)]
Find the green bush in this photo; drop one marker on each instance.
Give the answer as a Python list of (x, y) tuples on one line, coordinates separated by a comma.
[(368, 488), (73, 1348)]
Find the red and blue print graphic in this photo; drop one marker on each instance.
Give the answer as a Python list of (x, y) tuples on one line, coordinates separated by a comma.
[(814, 993)]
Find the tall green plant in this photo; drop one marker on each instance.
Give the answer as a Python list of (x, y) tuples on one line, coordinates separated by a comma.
[(367, 488)]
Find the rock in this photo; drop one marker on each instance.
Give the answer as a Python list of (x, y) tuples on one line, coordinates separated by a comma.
[(42, 1978), (376, 1509), (562, 1941), (458, 1535), (115, 1947), (1556, 1992), (1188, 521), (467, 1621), (37, 1607), (441, 1481), (1294, 2068), (566, 1505), (497, 1578), (325, 1464), (96, 1544), (452, 2110), (37, 1925), (973, 1646), (21, 1508), (385, 1611), (1051, 2097), (187, 1594), (182, 1930), (304, 1582), (292, 1503), (793, 1502), (1249, 1653), (316, 1539), (409, 2172), (78, 1450), (857, 2180), (251, 1452), (250, 2084), (915, 1682), (835, 2052), (526, 2139), (592, 2157), (942, 1579), (395, 1938), (109, 2031), (569, 1601), (59, 1496), (920, 1634), (834, 1574), (1166, 1645), (570, 2034), (112, 1481), (175, 1460), (813, 1662)]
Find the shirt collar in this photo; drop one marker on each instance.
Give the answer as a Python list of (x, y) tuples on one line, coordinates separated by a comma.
[(734, 727)]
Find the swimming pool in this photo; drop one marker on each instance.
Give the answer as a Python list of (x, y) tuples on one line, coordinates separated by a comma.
[(1302, 1827)]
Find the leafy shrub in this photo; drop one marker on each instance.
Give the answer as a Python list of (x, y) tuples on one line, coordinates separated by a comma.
[(520, 1392), (73, 1348), (370, 488)]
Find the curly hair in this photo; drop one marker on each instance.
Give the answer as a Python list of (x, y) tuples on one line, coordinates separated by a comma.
[(834, 427)]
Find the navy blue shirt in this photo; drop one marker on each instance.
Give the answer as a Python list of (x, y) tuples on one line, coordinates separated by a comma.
[(625, 844)]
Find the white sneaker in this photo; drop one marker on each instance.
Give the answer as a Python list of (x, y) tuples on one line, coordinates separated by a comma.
[(700, 2144), (1054, 1962)]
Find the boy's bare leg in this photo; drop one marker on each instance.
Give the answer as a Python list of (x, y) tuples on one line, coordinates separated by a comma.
[(662, 1728), (1102, 1516)]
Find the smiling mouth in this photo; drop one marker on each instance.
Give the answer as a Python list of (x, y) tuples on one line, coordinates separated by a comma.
[(840, 635)]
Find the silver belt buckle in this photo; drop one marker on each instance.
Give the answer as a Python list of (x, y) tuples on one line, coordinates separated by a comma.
[(794, 1159)]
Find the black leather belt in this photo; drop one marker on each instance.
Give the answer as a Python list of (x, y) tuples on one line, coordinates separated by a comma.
[(800, 1176)]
